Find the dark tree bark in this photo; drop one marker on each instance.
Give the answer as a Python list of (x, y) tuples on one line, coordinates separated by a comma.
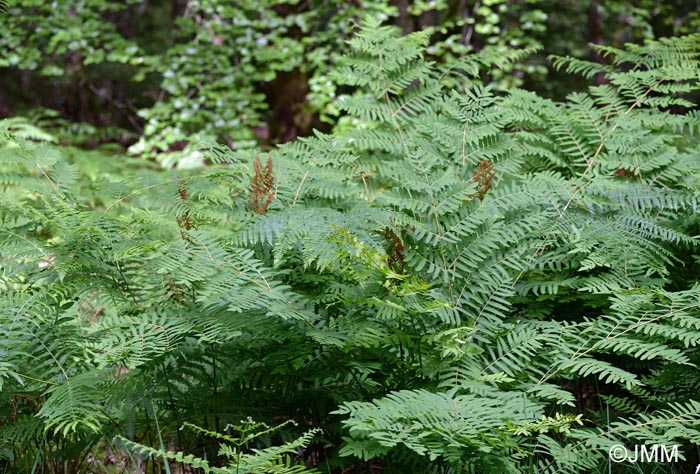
[(404, 21), (289, 118), (428, 18), (595, 36), (5, 108)]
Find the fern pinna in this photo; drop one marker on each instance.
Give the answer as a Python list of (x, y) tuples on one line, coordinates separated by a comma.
[(452, 281)]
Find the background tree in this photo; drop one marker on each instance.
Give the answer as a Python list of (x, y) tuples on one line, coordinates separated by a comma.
[(151, 73)]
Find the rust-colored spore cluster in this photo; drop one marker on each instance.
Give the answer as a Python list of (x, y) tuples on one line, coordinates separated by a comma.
[(261, 194), (483, 175), (184, 221), (396, 257)]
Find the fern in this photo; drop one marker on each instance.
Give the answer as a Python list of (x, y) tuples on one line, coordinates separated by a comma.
[(462, 276), (275, 460)]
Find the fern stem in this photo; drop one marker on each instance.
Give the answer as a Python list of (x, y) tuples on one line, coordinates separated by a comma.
[(125, 283), (160, 440), (175, 410), (216, 387)]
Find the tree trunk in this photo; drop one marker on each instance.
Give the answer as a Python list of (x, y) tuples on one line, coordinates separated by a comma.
[(595, 36)]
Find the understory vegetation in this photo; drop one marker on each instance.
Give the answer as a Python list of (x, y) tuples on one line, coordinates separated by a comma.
[(456, 277)]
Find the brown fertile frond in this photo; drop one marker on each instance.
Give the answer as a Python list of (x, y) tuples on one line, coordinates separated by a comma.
[(395, 259), (483, 175), (184, 221), (261, 183)]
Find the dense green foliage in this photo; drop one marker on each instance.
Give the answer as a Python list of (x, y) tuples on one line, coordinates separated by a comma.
[(452, 280), (151, 73)]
